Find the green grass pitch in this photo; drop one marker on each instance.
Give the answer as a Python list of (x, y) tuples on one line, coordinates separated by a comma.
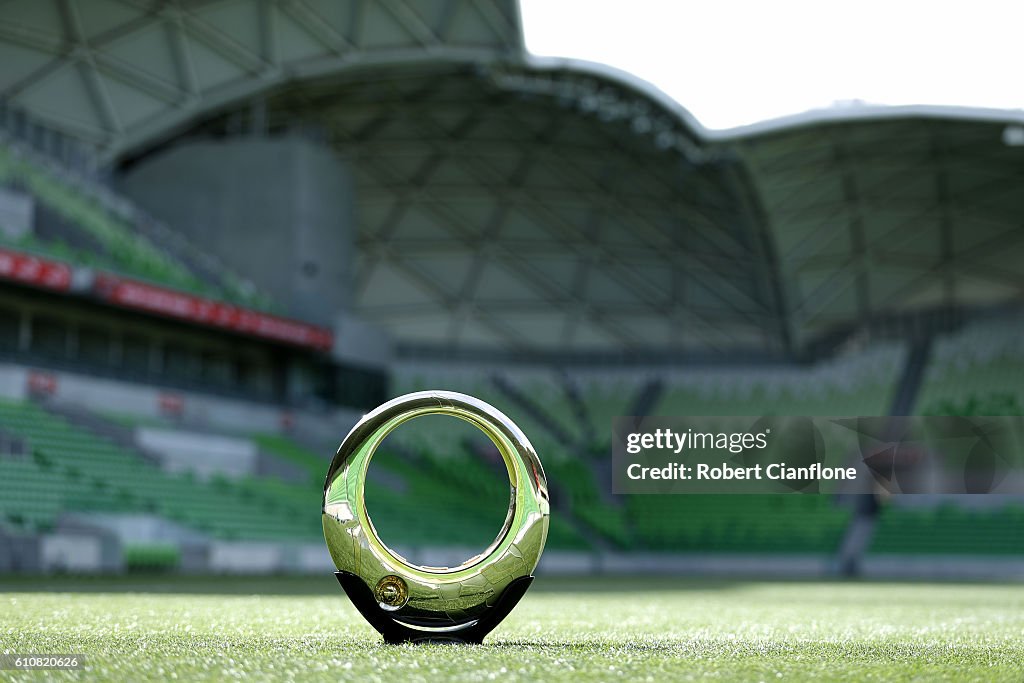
[(587, 629)]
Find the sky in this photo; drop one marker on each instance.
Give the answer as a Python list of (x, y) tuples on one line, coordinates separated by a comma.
[(732, 63)]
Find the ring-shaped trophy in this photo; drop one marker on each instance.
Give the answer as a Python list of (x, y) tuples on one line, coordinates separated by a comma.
[(406, 602)]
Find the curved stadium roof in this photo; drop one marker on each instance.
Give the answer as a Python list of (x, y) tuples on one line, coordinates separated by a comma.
[(525, 204)]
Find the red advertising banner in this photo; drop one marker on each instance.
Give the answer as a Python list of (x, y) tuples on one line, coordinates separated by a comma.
[(41, 384), (146, 297), (32, 270), (171, 404)]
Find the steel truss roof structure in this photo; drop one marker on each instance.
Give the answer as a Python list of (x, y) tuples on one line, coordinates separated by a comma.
[(510, 202)]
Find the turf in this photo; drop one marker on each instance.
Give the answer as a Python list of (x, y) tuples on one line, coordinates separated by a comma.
[(644, 629)]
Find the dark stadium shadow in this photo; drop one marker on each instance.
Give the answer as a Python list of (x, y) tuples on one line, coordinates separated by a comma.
[(643, 583), (325, 584), (316, 584)]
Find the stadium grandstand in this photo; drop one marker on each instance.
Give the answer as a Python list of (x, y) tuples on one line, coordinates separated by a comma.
[(227, 229)]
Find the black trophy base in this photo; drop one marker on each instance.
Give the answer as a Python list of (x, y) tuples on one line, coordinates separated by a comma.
[(395, 632)]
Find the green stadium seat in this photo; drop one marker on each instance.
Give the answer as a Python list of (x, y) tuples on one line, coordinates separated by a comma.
[(949, 530), (124, 249)]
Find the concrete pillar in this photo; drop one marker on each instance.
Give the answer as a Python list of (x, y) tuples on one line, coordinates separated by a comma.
[(277, 210)]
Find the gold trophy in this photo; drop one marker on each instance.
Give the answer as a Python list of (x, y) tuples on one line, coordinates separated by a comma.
[(409, 603)]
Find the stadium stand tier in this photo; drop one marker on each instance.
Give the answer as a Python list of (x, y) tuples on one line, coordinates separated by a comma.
[(445, 487), (73, 225), (75, 470), (950, 529), (774, 524), (978, 370), (861, 384)]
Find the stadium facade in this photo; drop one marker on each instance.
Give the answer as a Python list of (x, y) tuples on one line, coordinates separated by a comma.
[(229, 227)]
